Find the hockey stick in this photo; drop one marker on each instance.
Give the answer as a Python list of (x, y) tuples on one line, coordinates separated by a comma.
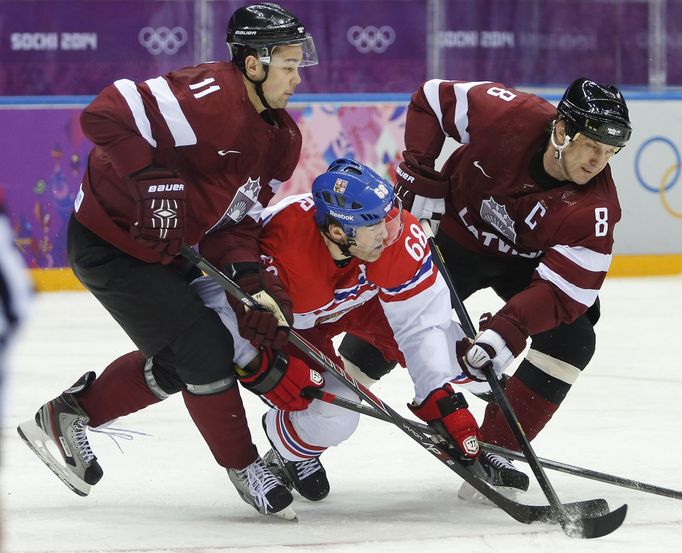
[(578, 511), (558, 466), (585, 527)]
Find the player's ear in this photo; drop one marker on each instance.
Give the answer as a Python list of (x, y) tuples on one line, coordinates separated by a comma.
[(252, 65), (336, 232)]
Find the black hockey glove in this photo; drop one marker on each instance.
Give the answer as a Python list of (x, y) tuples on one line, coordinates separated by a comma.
[(160, 195), (422, 190)]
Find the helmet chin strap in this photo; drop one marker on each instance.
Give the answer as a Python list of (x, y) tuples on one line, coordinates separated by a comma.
[(259, 87), (344, 248), (559, 148)]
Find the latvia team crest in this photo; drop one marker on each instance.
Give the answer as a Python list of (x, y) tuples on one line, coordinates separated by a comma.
[(245, 198), (497, 217)]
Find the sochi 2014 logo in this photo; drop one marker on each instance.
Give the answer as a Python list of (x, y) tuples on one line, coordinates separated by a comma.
[(371, 39), (162, 40)]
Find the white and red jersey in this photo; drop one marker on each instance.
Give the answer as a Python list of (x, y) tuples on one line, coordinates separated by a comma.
[(199, 122), (404, 281), (496, 207)]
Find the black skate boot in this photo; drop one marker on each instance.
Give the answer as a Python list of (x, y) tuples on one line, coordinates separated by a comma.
[(63, 423), (261, 489), (308, 477), (499, 472)]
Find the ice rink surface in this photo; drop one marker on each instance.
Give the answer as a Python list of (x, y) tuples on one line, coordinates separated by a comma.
[(165, 493)]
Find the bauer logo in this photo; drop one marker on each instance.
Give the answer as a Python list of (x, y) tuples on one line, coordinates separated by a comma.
[(166, 188), (404, 175)]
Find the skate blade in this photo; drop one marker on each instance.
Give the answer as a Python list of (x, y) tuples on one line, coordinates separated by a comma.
[(37, 440), (287, 514), (469, 494)]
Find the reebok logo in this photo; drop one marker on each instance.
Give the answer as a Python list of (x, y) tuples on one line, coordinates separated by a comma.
[(404, 175), (166, 188), (341, 216)]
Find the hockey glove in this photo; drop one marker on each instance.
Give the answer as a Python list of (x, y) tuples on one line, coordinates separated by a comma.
[(280, 379), (446, 411), (422, 190), (160, 195), (488, 350), (269, 327)]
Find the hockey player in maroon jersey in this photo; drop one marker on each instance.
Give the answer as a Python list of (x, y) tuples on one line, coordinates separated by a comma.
[(352, 261), (190, 157), (527, 206)]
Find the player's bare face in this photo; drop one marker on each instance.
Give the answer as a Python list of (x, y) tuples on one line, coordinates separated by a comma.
[(585, 158), (283, 75), (370, 242)]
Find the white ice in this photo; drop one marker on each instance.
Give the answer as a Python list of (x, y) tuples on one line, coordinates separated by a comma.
[(166, 493)]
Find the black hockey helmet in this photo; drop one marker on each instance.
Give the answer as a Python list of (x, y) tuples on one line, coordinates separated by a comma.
[(259, 28), (597, 111)]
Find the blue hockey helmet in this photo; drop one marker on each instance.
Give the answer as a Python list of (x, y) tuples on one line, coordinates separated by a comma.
[(352, 195)]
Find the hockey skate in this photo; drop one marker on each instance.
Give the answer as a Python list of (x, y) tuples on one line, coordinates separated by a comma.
[(261, 489), (498, 471), (308, 477), (61, 423)]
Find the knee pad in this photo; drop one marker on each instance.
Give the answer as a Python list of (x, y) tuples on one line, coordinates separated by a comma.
[(365, 358), (556, 358), (160, 382), (355, 372), (211, 388), (164, 382)]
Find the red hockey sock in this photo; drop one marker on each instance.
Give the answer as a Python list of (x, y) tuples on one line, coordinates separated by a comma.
[(120, 390), (222, 422), (532, 410)]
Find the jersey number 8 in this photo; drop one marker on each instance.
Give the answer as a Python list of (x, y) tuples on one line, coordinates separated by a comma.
[(601, 227)]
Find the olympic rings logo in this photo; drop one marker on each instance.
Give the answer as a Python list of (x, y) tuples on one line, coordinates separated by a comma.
[(162, 40), (371, 39), (670, 176)]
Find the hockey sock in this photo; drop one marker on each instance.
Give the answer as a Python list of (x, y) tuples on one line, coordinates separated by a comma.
[(120, 390), (222, 422), (532, 410)]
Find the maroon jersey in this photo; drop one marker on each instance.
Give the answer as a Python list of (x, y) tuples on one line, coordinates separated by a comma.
[(199, 122), (496, 207)]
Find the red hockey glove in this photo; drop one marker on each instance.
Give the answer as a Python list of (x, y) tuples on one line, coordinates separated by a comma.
[(422, 190), (264, 328), (160, 225), (488, 350), (445, 410), (280, 380)]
